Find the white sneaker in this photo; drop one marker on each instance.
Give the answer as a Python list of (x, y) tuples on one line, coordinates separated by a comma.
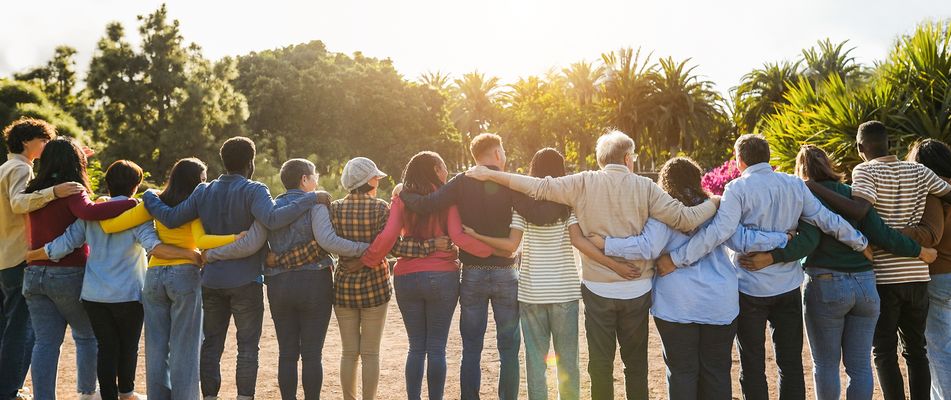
[(24, 394), (91, 396)]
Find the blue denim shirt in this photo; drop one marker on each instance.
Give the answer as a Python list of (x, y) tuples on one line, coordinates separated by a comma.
[(115, 268), (229, 205), (704, 292), (769, 201)]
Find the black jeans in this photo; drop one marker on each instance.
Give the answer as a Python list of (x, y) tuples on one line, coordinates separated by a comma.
[(246, 304), (698, 358), (610, 322), (904, 312), (118, 327), (16, 332), (784, 314), (301, 304)]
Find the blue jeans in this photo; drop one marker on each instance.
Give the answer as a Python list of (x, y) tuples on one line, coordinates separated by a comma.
[(16, 332), (478, 288), (543, 324), (172, 302), (301, 304), (246, 304), (841, 310), (937, 333), (52, 294), (427, 301)]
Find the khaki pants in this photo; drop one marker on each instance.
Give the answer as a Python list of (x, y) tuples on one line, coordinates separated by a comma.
[(361, 330)]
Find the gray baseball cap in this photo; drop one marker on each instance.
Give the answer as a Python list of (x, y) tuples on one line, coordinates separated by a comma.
[(358, 172)]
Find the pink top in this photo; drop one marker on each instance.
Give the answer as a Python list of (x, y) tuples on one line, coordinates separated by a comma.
[(438, 261)]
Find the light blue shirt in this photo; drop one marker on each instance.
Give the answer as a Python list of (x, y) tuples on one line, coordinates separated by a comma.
[(115, 268), (704, 292), (768, 201)]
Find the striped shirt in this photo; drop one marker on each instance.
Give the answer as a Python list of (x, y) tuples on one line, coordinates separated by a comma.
[(548, 273), (897, 190)]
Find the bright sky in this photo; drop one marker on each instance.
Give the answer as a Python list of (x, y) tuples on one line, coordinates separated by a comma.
[(509, 39)]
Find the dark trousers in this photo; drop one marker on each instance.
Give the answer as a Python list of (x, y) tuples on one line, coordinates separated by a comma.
[(610, 322), (904, 312), (246, 304), (301, 303), (16, 332), (118, 327), (698, 358), (784, 314)]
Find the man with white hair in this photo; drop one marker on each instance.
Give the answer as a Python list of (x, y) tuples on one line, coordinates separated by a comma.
[(614, 202)]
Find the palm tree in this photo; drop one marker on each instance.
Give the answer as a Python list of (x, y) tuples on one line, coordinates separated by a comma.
[(687, 107), (627, 87), (827, 58), (584, 87), (761, 91), (437, 80), (476, 106)]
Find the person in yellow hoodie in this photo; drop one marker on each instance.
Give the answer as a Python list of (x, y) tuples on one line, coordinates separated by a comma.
[(172, 293)]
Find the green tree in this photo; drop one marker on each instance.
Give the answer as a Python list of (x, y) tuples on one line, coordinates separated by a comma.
[(20, 99), (165, 101), (57, 78), (476, 107), (627, 87), (760, 93), (587, 122), (826, 59)]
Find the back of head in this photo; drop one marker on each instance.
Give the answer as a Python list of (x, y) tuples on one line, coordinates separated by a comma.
[(62, 161), (293, 170), (752, 149), (873, 136), (613, 147), (812, 163), (680, 177), (184, 176), (237, 154), (420, 177), (24, 130), (123, 177), (934, 154), (549, 162), (483, 144)]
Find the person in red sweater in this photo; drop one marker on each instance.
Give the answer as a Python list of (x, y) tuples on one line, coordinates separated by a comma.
[(52, 289), (427, 288)]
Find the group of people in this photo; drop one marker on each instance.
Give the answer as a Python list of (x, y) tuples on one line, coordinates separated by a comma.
[(712, 271)]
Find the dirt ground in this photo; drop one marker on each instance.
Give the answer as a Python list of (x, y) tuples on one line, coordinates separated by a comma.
[(393, 355)]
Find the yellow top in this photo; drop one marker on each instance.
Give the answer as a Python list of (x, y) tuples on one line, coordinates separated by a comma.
[(188, 236)]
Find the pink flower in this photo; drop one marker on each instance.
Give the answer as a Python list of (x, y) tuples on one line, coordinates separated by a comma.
[(716, 179)]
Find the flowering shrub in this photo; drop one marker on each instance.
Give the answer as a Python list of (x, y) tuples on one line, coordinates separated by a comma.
[(716, 179)]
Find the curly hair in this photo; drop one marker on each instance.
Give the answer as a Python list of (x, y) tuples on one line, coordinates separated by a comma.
[(680, 177)]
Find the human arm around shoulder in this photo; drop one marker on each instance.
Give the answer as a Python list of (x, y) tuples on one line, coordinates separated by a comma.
[(713, 234), (132, 218), (326, 236), (855, 208), (666, 209), (173, 217), (564, 189), (893, 241), (829, 222), (204, 240), (23, 203), (83, 208), (273, 216), (441, 199), (750, 240), (648, 245)]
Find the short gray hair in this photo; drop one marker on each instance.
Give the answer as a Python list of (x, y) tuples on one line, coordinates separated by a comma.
[(613, 147)]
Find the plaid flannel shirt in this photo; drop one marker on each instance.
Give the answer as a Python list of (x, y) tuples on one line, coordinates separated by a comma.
[(361, 217)]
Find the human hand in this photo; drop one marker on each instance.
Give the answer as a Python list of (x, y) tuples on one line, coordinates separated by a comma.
[(198, 258), (352, 265), (324, 198), (597, 240), (756, 261), (37, 255), (716, 200), (67, 189), (271, 259), (625, 270), (397, 190), (868, 253), (479, 172), (240, 235), (928, 255), (665, 265), (443, 243)]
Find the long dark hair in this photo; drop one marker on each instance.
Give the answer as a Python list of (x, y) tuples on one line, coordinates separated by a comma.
[(812, 163), (680, 178), (933, 154), (549, 162), (62, 161), (184, 176), (420, 177)]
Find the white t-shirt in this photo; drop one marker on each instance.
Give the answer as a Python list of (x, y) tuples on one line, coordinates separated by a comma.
[(548, 271)]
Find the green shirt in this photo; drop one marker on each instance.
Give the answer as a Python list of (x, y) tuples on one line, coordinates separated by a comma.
[(824, 251)]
